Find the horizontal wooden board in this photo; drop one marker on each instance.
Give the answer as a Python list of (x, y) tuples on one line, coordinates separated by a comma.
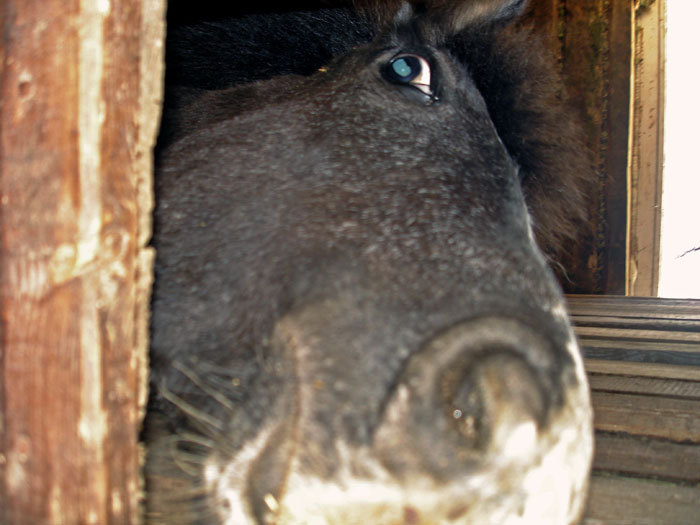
[(638, 334), (632, 320), (643, 457), (642, 415), (642, 356), (592, 344), (641, 353), (601, 366), (645, 385), (615, 500), (652, 308), (638, 329)]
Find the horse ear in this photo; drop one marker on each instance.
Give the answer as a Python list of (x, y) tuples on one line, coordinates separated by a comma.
[(468, 13), (403, 13), (452, 16)]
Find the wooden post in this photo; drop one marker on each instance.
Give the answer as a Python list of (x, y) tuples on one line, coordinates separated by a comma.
[(646, 164), (80, 88)]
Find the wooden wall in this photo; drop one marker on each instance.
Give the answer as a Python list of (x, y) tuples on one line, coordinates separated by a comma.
[(646, 148), (642, 356), (592, 41), (80, 90)]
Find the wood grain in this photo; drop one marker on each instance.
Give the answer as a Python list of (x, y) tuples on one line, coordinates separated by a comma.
[(646, 402), (660, 417), (614, 306), (655, 386), (689, 373), (645, 457), (77, 124), (643, 330), (616, 500), (646, 148)]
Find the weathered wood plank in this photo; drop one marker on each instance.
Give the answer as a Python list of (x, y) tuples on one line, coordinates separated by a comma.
[(583, 31), (647, 413), (641, 346), (617, 65), (643, 457), (631, 352), (647, 330), (645, 385), (80, 90), (633, 323), (646, 156), (638, 330), (601, 366), (665, 418), (640, 307), (636, 334), (617, 500)]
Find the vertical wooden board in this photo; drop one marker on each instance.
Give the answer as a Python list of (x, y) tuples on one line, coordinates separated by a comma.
[(583, 38), (38, 326), (647, 149), (77, 124), (584, 49), (616, 134)]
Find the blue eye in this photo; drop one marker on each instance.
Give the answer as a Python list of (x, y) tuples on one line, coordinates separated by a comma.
[(406, 68), (411, 70)]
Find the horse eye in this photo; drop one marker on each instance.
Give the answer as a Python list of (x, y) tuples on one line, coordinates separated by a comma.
[(412, 70)]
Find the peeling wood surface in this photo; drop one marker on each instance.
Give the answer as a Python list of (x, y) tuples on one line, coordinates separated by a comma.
[(80, 88), (646, 164), (646, 411)]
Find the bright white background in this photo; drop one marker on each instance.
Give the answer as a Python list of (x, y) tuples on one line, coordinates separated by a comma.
[(680, 221)]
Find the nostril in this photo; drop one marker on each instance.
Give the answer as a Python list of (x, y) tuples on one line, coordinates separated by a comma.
[(485, 372), (482, 386), (498, 397), (462, 401)]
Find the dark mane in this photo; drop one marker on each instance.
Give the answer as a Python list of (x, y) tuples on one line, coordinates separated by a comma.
[(528, 106)]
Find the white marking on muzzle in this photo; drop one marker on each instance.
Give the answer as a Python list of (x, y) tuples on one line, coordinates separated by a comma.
[(526, 479), (228, 483)]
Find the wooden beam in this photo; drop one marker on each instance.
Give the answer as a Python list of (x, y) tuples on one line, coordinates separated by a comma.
[(646, 457), (616, 136), (642, 415), (623, 368), (616, 500), (80, 88), (646, 166)]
